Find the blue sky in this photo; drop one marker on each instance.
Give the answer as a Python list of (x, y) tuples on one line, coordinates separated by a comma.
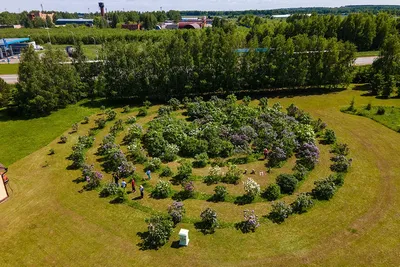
[(149, 5)]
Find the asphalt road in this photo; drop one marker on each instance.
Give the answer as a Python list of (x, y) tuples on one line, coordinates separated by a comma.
[(10, 78), (360, 61)]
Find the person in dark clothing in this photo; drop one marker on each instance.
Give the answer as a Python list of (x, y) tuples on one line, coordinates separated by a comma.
[(141, 188), (133, 186)]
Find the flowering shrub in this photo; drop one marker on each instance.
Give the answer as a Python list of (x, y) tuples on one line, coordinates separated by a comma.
[(308, 155), (85, 120), (155, 143), (220, 192), (174, 103), (136, 152), (276, 157), (250, 223), (159, 231), (287, 183), (340, 163), (171, 153), (184, 170), (86, 141), (106, 145), (233, 175), (110, 189), (126, 109), (142, 112), (272, 192), (114, 159), (340, 149), (324, 189), (100, 123), (63, 139), (131, 120), (126, 169), (214, 175), (164, 111), (329, 136), (201, 160), (192, 146), (318, 125), (161, 190), (263, 102), (176, 211), (280, 212), (75, 127), (166, 172), (134, 132), (77, 156), (93, 178), (153, 165), (293, 111), (305, 133), (302, 203), (117, 127), (188, 189), (251, 188), (111, 114), (209, 220), (300, 171)]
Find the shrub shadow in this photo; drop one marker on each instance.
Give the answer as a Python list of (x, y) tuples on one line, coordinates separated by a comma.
[(243, 200), (201, 226)]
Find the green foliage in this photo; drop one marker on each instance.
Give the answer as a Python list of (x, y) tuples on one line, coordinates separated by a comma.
[(369, 106), (302, 203), (134, 132), (153, 164), (340, 149), (63, 139), (5, 93), (263, 102), (340, 163), (44, 84), (329, 136), (287, 183), (209, 220), (214, 175), (147, 104), (176, 211), (161, 190), (324, 189), (272, 192), (131, 120), (159, 231), (251, 188), (164, 111), (111, 114), (174, 103), (126, 109), (142, 112), (184, 170), (201, 160), (220, 193), (352, 103), (109, 189), (100, 123), (233, 175), (166, 172), (381, 111), (85, 120), (192, 146), (280, 212)]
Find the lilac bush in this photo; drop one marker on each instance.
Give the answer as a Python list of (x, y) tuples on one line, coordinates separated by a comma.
[(252, 188), (276, 156), (250, 223), (308, 155), (176, 210)]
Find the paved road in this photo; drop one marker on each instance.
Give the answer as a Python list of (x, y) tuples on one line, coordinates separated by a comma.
[(10, 78), (362, 61)]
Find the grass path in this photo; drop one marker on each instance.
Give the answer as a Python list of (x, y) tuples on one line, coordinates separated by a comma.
[(48, 222)]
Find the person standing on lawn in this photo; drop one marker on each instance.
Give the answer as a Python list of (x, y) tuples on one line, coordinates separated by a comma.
[(148, 172), (133, 186), (141, 188)]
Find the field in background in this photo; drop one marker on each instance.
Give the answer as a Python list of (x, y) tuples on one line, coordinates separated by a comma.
[(9, 68)]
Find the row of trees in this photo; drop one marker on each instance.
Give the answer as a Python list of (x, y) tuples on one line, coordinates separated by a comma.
[(182, 64), (189, 63), (365, 30)]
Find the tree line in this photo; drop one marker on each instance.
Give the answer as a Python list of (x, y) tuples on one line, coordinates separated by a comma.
[(187, 63)]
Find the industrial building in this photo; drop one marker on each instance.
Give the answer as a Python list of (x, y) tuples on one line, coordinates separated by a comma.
[(63, 22), (13, 46)]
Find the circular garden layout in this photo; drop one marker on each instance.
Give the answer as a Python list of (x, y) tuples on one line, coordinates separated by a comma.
[(216, 163)]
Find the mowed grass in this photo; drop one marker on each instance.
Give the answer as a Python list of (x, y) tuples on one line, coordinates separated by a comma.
[(367, 54), (391, 117), (48, 222), (20, 137), (9, 68), (90, 51)]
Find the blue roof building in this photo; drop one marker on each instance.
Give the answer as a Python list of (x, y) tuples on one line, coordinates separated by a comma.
[(87, 22)]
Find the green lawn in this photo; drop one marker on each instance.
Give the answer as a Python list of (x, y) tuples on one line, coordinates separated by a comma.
[(47, 220), (391, 117), (9, 68), (89, 50), (19, 137), (367, 54)]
